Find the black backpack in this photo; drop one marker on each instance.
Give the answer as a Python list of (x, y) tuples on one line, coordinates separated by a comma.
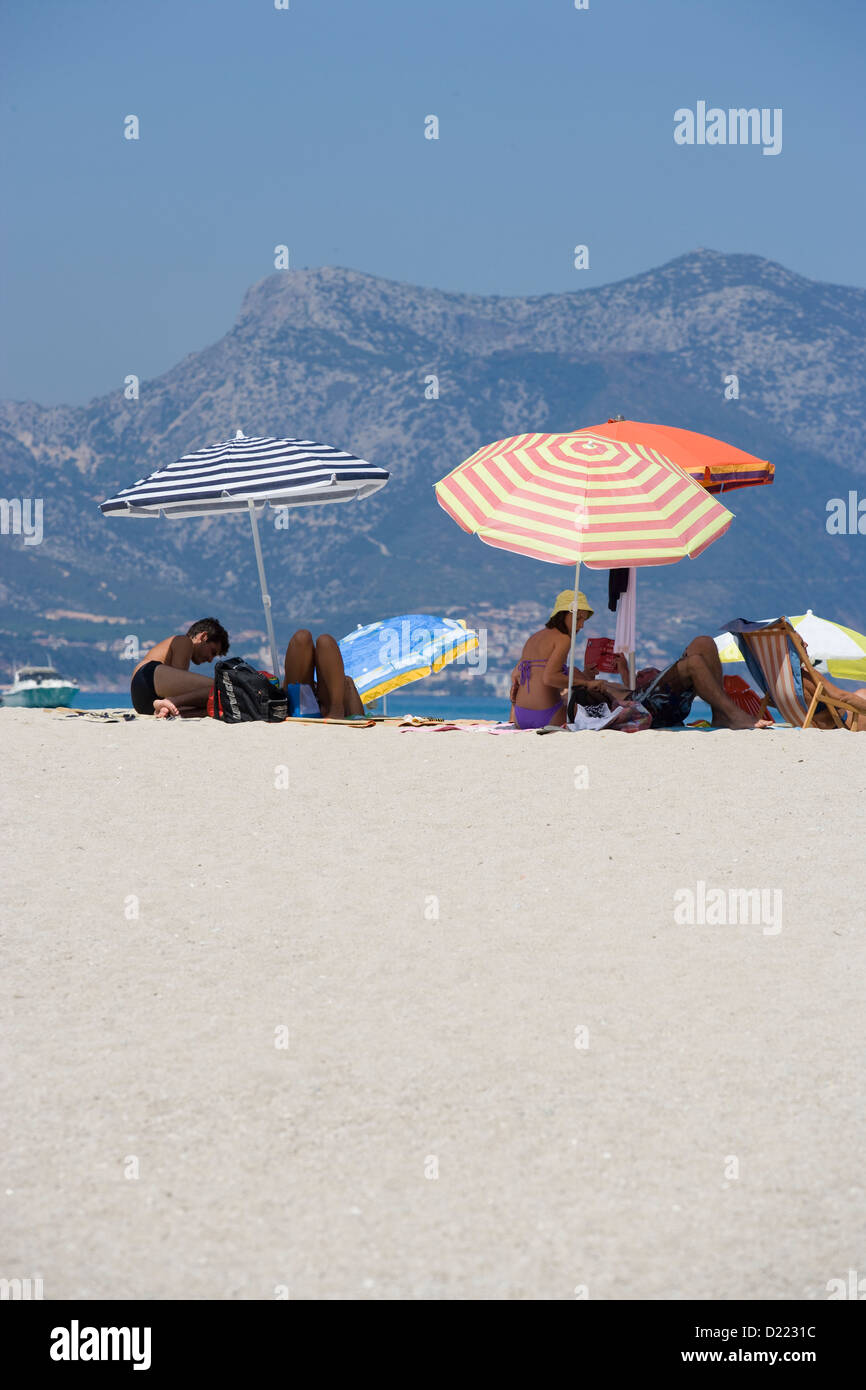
[(240, 694)]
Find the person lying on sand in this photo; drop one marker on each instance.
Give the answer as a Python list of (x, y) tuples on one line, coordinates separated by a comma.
[(539, 681), (162, 683), (317, 668), (667, 695)]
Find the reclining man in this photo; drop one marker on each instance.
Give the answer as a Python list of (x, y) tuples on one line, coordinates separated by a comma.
[(822, 718), (163, 685), (668, 694)]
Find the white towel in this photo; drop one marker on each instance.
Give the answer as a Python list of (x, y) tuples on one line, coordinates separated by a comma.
[(626, 611)]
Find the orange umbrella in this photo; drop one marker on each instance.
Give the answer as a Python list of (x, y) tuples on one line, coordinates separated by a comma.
[(717, 466)]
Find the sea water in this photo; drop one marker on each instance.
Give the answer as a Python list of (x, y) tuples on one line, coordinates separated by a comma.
[(434, 706)]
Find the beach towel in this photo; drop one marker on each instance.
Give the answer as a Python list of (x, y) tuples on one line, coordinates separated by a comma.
[(353, 722), (624, 638), (464, 726)]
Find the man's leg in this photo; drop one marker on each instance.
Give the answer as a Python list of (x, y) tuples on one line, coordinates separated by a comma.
[(182, 687), (300, 661), (701, 669), (331, 688)]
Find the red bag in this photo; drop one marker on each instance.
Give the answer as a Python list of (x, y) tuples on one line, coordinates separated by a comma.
[(743, 695)]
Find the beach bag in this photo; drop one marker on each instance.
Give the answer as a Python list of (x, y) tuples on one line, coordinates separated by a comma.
[(241, 694), (585, 713), (628, 719)]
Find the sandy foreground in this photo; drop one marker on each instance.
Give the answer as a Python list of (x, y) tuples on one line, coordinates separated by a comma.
[(422, 1023)]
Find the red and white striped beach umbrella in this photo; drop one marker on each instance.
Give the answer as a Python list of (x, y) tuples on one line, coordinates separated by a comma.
[(581, 498)]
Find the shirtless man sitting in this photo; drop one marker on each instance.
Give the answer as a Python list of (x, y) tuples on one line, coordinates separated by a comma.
[(162, 683)]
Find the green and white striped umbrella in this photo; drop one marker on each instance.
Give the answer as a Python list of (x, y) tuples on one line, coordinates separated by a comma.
[(838, 650)]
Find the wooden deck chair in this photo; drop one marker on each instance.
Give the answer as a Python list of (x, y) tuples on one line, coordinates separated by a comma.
[(777, 657)]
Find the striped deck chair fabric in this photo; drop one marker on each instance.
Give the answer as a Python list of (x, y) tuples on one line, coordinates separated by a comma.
[(775, 657)]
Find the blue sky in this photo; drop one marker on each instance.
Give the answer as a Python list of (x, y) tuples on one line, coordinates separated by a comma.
[(306, 127)]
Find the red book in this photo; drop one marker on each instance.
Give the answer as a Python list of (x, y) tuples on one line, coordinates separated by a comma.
[(599, 654)]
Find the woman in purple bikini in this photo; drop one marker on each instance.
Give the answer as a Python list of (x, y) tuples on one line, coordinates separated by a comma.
[(539, 681)]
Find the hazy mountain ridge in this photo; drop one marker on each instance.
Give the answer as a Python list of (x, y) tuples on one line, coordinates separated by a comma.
[(342, 356), (711, 309)]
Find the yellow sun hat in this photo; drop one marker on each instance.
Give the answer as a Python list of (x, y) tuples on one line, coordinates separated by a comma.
[(565, 600)]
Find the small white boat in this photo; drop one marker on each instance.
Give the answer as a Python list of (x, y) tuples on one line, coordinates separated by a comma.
[(39, 687)]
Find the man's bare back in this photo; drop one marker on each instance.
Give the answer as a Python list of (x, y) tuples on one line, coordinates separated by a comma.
[(173, 651)]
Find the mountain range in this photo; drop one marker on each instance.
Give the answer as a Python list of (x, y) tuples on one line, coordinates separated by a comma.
[(347, 358)]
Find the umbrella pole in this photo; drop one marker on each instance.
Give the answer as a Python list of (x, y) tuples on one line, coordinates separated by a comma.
[(266, 598), (571, 647), (631, 660)]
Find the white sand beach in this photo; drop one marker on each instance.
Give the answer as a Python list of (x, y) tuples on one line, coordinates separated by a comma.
[(510, 1073)]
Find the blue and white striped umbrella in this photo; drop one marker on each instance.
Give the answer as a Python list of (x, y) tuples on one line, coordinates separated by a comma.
[(248, 475), (228, 477), (385, 655)]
